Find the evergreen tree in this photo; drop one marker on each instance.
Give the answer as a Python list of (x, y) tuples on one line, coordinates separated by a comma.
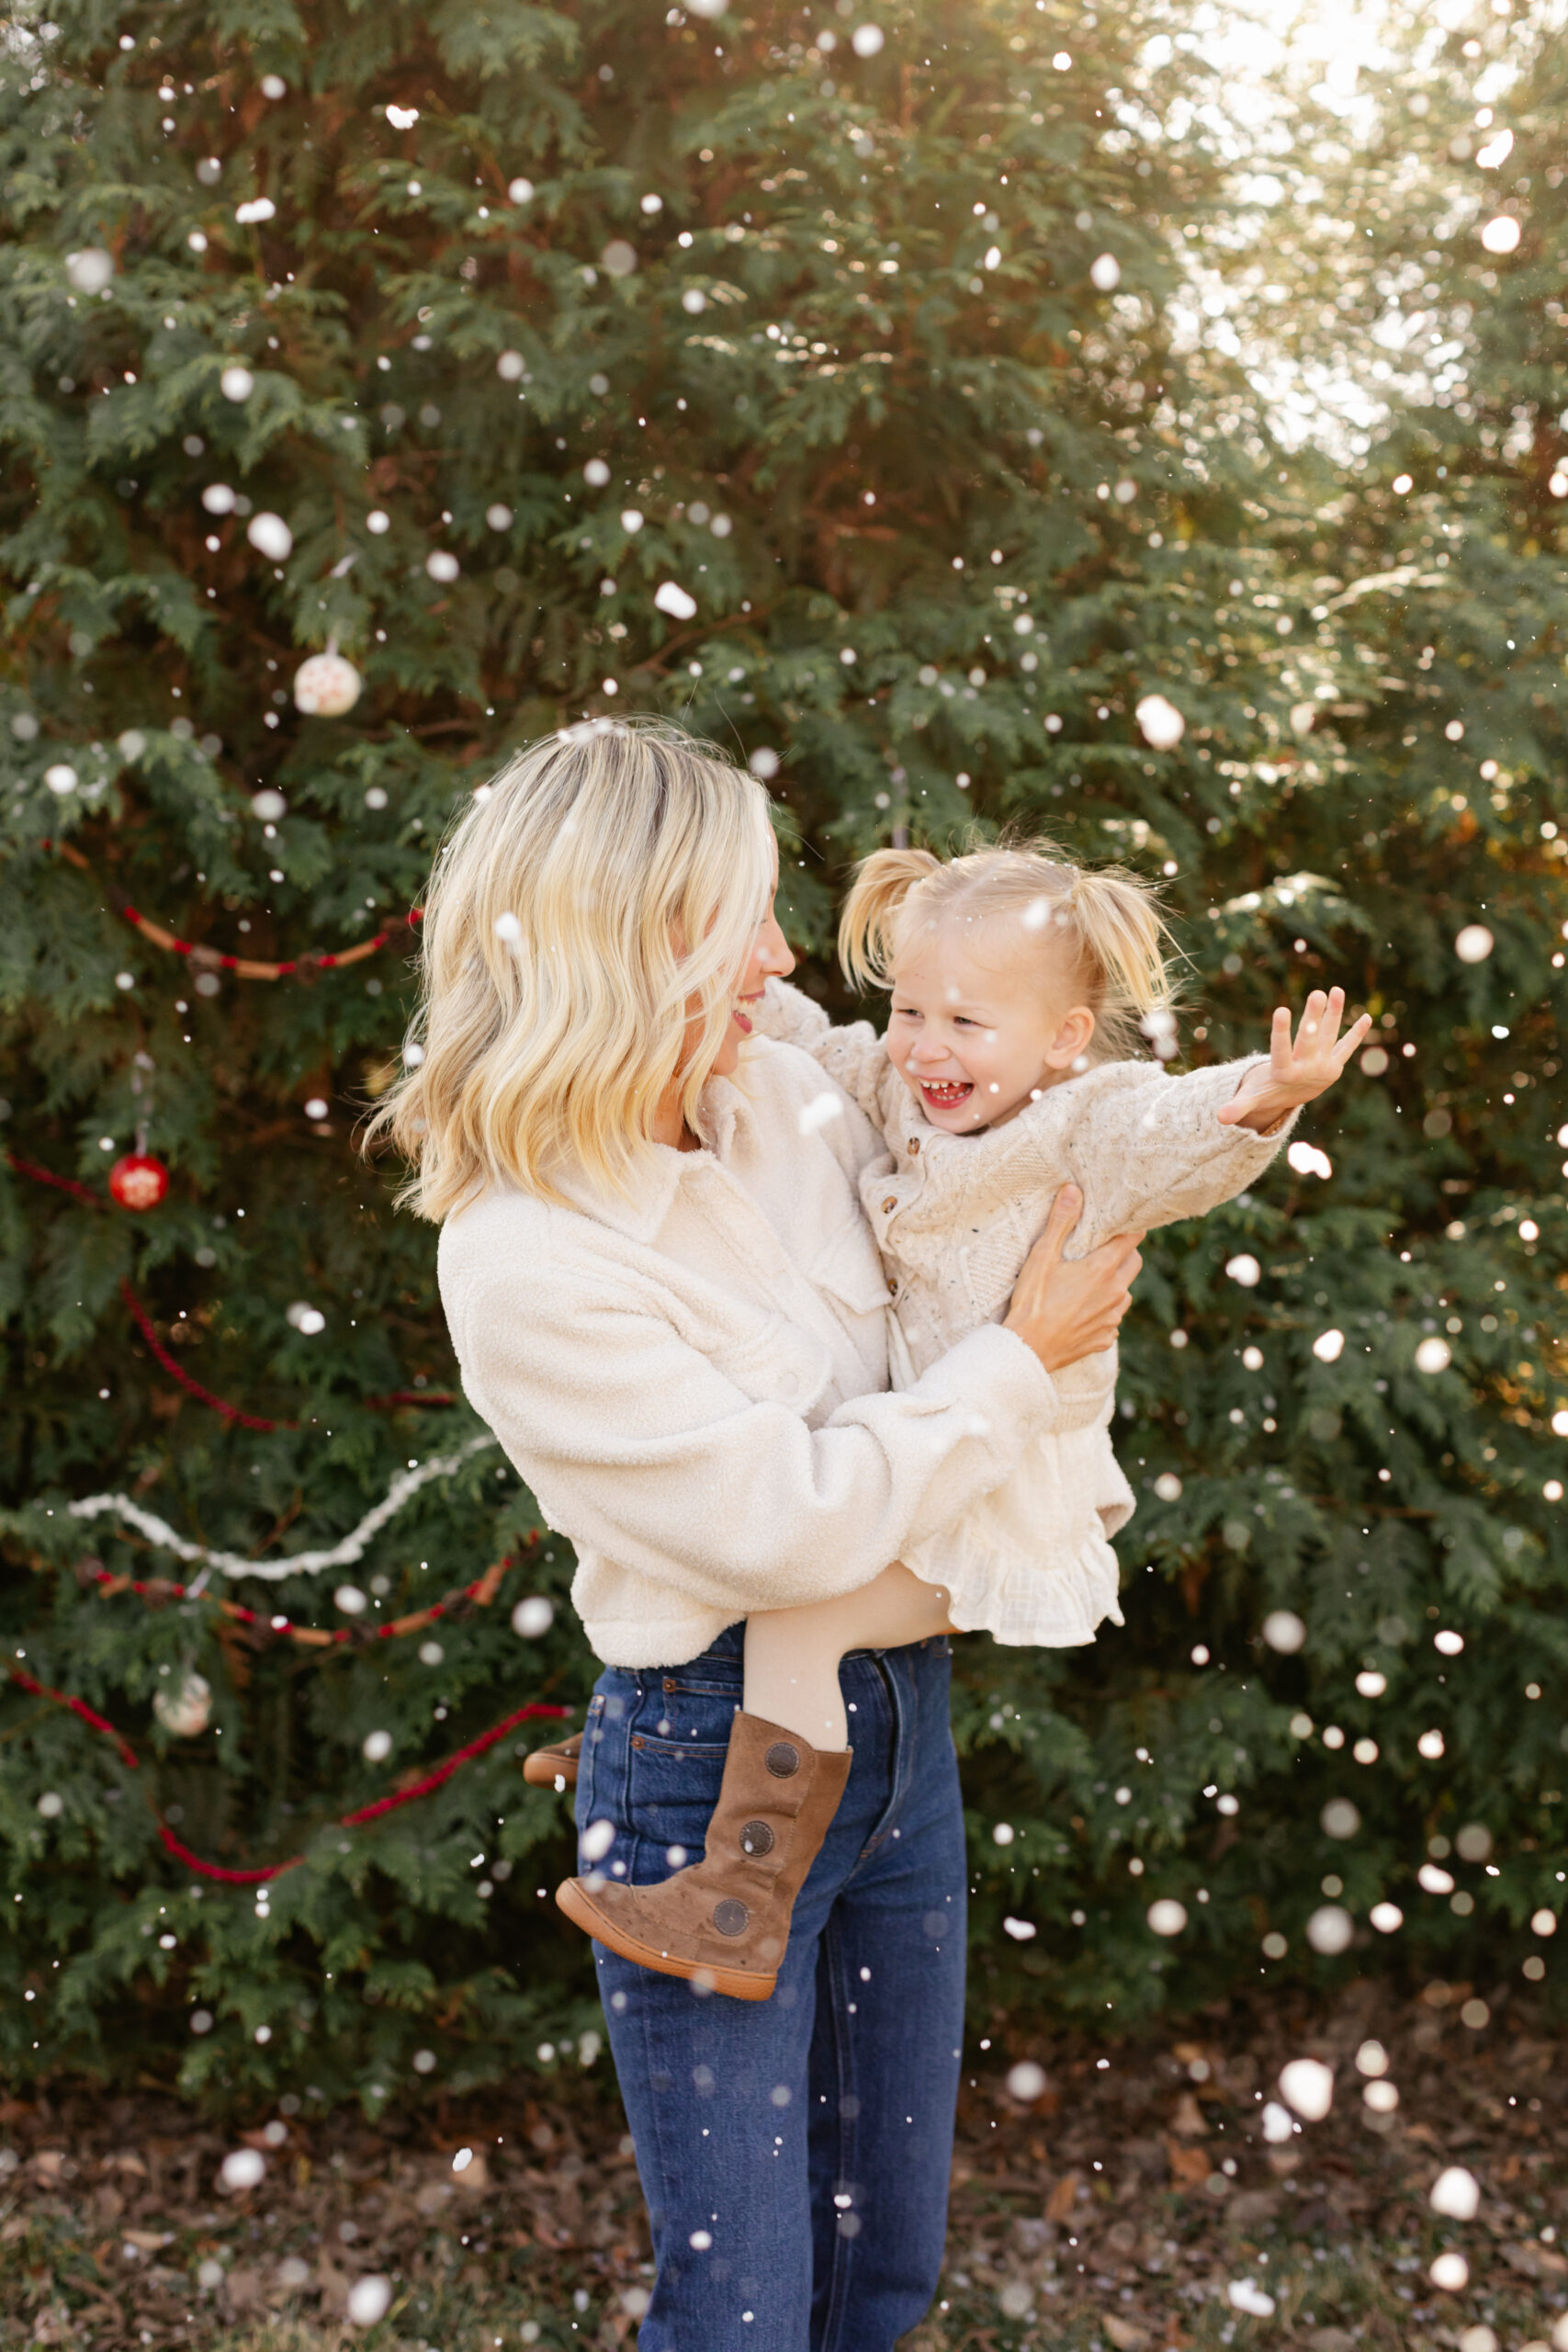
[(1388, 1474), (815, 377)]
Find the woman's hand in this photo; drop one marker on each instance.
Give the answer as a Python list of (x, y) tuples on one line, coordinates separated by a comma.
[(1066, 1311)]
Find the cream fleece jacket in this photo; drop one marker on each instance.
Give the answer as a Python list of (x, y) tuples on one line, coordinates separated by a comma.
[(954, 1217), (694, 1384)]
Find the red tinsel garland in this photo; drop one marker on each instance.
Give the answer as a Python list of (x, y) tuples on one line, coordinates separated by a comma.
[(247, 968), (230, 1412), (156, 1592), (255, 968), (128, 1754), (219, 1405), (432, 1780)]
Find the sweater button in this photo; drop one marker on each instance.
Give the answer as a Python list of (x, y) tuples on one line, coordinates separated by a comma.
[(892, 1285), (889, 1205), (914, 1146)]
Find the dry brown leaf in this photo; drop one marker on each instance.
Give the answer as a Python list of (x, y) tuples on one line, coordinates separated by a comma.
[(1124, 2333), (1189, 2166), (245, 2286), (1059, 2204)]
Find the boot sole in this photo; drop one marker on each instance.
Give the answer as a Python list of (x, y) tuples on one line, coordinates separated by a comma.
[(544, 1775), (740, 1984)]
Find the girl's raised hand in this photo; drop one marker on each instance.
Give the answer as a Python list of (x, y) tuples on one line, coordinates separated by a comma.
[(1299, 1069)]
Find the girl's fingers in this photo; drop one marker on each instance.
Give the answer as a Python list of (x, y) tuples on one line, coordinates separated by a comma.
[(1334, 1012), (1351, 1039), (1279, 1042)]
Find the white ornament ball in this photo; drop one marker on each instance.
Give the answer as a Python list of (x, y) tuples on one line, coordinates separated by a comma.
[(326, 686), (185, 1708)]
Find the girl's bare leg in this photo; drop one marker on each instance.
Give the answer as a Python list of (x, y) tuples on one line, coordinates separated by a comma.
[(792, 1654)]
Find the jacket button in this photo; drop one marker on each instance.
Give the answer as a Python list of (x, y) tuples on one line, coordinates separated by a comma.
[(781, 1759), (756, 1839), (914, 1146), (889, 1205), (731, 1916), (893, 1285)]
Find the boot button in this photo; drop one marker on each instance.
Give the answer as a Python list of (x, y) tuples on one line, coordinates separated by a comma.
[(781, 1759), (756, 1839), (731, 1916)]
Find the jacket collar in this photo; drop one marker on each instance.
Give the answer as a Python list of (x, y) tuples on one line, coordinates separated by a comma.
[(725, 1114)]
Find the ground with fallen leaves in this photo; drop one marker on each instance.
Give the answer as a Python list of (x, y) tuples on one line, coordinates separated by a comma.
[(1135, 2203)]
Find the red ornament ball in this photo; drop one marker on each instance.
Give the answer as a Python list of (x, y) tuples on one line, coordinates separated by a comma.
[(139, 1182)]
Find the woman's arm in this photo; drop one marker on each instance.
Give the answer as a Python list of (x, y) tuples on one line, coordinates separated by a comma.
[(638, 1446), (854, 1055)]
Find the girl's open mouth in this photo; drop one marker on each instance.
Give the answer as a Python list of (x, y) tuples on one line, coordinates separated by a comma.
[(945, 1094)]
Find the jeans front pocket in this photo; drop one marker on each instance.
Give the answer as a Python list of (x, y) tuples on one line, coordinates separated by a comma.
[(673, 1783)]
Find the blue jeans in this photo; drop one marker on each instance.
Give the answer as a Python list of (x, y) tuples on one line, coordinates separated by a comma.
[(795, 2153)]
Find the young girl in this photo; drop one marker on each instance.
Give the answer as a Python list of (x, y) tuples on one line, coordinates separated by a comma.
[(1004, 1084)]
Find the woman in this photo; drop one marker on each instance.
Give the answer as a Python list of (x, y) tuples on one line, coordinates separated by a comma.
[(667, 1304)]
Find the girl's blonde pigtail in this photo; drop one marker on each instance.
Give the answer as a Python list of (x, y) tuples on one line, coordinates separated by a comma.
[(1124, 936), (882, 881)]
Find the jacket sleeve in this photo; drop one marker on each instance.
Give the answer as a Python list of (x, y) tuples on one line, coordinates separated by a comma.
[(638, 1446), (855, 1056), (1148, 1149)]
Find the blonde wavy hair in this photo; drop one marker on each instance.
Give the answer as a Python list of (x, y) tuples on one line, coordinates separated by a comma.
[(609, 874), (1100, 929)]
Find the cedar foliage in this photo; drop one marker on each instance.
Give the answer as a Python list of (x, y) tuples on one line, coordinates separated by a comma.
[(888, 362)]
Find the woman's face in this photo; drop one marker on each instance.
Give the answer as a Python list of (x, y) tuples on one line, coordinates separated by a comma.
[(769, 958)]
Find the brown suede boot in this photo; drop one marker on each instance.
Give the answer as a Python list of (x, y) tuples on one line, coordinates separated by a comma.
[(554, 1767), (724, 1922)]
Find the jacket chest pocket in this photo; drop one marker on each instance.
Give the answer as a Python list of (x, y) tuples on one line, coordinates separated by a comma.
[(850, 1271)]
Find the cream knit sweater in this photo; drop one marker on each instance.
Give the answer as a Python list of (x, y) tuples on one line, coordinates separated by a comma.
[(694, 1383), (954, 1217)]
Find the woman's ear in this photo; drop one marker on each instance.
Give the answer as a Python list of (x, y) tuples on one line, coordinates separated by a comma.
[(1073, 1033)]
